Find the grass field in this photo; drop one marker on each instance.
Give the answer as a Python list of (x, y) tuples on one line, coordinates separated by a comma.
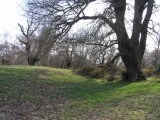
[(42, 93)]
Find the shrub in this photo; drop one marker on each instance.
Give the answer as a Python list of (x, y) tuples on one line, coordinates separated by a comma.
[(90, 71), (149, 71), (85, 71)]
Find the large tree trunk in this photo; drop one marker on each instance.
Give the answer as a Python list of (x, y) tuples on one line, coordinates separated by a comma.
[(32, 61), (132, 61), (68, 64), (133, 72), (132, 49)]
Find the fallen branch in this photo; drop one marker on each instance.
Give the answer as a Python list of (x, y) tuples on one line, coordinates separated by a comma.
[(107, 65)]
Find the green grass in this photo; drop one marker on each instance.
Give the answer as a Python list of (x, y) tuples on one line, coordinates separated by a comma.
[(48, 93)]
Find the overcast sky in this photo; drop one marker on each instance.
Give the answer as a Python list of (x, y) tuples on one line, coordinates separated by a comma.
[(10, 15)]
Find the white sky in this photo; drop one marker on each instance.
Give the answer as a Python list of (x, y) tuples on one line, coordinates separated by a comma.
[(10, 17)]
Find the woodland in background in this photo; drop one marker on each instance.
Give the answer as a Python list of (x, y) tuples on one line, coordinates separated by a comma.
[(85, 59)]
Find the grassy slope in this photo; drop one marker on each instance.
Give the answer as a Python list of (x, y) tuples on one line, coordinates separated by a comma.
[(47, 93)]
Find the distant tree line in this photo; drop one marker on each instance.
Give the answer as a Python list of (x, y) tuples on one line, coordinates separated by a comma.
[(72, 51)]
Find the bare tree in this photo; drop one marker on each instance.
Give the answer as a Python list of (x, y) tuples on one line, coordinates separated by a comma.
[(65, 13), (36, 44), (156, 51), (6, 52), (9, 52), (69, 50), (154, 33), (27, 39), (68, 46)]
